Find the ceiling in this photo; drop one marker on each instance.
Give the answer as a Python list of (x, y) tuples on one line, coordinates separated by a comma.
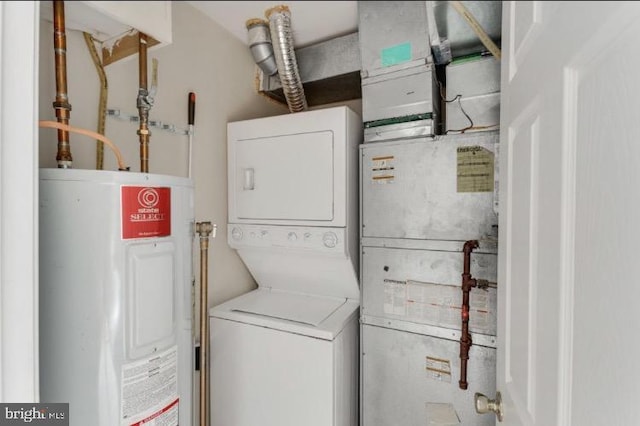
[(311, 21), (316, 21)]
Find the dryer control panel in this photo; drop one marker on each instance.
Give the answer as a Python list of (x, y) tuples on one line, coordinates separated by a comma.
[(328, 240)]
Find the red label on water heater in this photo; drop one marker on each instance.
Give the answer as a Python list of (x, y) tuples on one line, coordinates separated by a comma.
[(146, 212)]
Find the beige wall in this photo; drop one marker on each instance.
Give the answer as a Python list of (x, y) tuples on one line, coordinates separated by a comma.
[(204, 59)]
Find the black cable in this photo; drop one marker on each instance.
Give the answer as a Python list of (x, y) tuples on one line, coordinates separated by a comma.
[(457, 98)]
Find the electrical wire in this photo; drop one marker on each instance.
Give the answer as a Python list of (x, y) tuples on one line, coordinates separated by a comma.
[(91, 134), (471, 126), (456, 98)]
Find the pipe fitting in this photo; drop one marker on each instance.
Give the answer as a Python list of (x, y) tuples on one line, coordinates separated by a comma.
[(469, 246), (144, 101), (204, 229)]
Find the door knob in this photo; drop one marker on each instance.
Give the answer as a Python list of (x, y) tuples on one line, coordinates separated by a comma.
[(485, 405)]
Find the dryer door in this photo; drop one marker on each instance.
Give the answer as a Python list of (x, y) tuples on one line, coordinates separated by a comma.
[(288, 177)]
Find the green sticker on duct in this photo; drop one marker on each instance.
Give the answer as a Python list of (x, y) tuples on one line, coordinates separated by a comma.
[(395, 55)]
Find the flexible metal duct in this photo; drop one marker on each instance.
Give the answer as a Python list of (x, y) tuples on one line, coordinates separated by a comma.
[(280, 25), (260, 44)]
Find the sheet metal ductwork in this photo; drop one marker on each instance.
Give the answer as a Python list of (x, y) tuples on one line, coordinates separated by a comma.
[(329, 70), (280, 25)]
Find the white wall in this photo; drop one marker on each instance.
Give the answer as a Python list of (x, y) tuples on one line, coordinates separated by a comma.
[(204, 59)]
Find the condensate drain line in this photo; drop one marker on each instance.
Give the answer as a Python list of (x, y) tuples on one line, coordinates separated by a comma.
[(65, 127)]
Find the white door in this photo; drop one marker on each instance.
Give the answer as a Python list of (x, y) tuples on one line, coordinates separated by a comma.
[(19, 27), (569, 230), (273, 174)]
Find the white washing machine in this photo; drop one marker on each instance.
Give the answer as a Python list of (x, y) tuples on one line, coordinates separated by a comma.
[(286, 354), (283, 358)]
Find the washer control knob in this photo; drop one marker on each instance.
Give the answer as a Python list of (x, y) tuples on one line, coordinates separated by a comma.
[(292, 236), (330, 239), (236, 234)]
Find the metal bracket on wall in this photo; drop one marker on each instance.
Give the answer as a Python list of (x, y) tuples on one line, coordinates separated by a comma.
[(157, 124)]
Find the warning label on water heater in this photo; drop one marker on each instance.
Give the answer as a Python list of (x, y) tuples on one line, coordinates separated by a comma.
[(146, 212), (150, 390)]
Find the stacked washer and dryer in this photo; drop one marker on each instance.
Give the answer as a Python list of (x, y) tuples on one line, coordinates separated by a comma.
[(287, 353)]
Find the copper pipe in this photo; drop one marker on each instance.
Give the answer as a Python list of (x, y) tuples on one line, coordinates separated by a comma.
[(142, 60), (61, 104), (143, 104), (204, 229), (467, 283)]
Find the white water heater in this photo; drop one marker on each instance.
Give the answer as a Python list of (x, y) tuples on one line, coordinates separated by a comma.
[(116, 296)]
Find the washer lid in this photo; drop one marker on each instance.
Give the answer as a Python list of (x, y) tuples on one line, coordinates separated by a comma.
[(316, 316), (311, 310)]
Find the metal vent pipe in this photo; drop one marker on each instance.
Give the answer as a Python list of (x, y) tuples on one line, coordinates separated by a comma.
[(260, 45), (282, 36), (61, 104)]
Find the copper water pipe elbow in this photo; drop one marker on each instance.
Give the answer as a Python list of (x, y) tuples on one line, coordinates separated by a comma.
[(467, 281), (61, 104), (467, 248)]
